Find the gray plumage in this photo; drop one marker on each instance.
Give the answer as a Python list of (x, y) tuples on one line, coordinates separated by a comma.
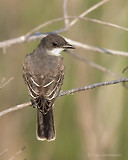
[(43, 73)]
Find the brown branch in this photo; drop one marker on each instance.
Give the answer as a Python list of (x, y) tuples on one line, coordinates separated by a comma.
[(68, 92)]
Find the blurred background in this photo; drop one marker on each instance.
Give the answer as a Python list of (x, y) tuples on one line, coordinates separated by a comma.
[(89, 125)]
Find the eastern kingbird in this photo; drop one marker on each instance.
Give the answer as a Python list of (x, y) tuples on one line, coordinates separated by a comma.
[(43, 73)]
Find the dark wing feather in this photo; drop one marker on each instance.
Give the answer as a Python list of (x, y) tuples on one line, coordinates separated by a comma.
[(44, 90)]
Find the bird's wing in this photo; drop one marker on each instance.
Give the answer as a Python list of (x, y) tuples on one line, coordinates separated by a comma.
[(43, 90)]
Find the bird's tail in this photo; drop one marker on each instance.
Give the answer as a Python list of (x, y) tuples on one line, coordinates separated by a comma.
[(45, 126)]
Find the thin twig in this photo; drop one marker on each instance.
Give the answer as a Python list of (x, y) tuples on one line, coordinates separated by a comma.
[(17, 153), (94, 65), (98, 21), (59, 19), (92, 86), (81, 16), (105, 23), (4, 151), (78, 44), (85, 19), (27, 37), (17, 107), (125, 69), (39, 36), (3, 83), (68, 92), (97, 49), (66, 20), (89, 11)]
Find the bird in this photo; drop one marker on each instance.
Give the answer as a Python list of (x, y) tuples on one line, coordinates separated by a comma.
[(43, 73)]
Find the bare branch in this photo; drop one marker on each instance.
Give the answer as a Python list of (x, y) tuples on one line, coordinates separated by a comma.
[(92, 86), (65, 17), (3, 83), (4, 151), (17, 153), (20, 106), (125, 69), (91, 20), (97, 49), (68, 92), (89, 11), (66, 20), (62, 18), (94, 65), (105, 23), (78, 44), (81, 15), (27, 37)]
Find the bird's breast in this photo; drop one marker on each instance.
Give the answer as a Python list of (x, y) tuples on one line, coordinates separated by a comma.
[(47, 65)]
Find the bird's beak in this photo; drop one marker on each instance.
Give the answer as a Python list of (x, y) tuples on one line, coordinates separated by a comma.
[(68, 46)]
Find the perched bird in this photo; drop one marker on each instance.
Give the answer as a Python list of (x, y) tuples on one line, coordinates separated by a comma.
[(43, 73)]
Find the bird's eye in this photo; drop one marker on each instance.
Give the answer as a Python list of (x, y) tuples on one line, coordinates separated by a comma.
[(55, 44)]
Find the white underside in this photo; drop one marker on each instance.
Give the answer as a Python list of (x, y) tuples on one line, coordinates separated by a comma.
[(44, 139), (55, 51)]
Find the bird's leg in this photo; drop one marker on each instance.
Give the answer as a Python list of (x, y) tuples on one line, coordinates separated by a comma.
[(33, 103)]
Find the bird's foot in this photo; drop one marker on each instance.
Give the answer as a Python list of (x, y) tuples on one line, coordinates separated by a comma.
[(33, 103)]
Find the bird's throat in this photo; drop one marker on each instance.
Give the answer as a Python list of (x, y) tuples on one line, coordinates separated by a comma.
[(55, 51)]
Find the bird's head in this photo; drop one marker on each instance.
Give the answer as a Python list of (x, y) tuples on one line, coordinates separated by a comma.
[(55, 44)]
